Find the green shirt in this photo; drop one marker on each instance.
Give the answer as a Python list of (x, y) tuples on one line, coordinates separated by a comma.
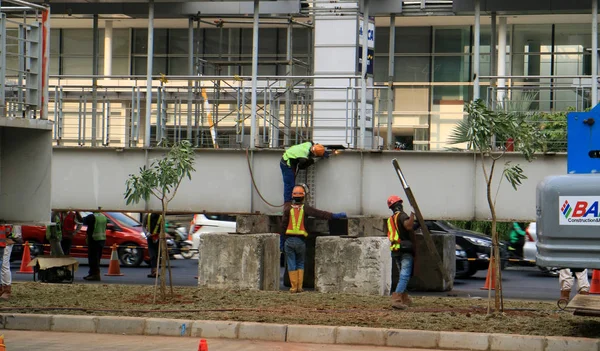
[(99, 227), (297, 151)]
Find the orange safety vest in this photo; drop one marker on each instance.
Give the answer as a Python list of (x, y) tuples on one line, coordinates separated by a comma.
[(3, 231), (296, 222), (392, 234)]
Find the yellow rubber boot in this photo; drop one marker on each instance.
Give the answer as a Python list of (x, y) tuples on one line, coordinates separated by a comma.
[(300, 279), (293, 281)]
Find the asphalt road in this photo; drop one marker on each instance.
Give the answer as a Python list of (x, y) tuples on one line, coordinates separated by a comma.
[(518, 282)]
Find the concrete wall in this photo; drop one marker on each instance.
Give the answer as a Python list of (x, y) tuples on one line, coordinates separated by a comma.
[(25, 171), (448, 185)]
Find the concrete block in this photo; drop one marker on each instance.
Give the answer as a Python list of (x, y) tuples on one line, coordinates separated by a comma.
[(426, 274), (27, 321), (505, 342), (230, 261), (168, 327), (215, 329), (571, 344), (78, 324), (353, 265), (361, 336), (316, 225), (462, 341), (262, 331), (316, 334), (121, 325), (251, 224), (412, 338), (366, 226)]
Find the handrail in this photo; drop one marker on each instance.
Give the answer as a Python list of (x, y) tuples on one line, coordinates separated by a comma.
[(178, 77)]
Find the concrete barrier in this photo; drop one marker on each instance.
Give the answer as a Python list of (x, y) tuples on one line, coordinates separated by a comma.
[(353, 265), (426, 275), (231, 261)]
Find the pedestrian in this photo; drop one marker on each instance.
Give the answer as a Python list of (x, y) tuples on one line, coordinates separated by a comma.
[(295, 158), (152, 224), (294, 232), (69, 221), (566, 280), (13, 236), (95, 239), (54, 233), (402, 246), (516, 240)]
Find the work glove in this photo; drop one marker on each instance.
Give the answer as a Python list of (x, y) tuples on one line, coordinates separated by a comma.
[(340, 215)]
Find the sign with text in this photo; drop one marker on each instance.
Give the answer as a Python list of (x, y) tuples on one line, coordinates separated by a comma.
[(370, 59), (579, 210), (370, 32)]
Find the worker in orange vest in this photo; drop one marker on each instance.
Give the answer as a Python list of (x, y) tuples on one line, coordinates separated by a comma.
[(294, 215)]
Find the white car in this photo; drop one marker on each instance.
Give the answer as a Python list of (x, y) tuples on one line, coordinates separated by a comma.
[(210, 223), (530, 248)]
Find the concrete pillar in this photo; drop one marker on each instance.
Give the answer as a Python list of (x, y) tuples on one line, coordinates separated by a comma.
[(108, 37), (229, 261), (501, 93), (426, 276), (353, 265)]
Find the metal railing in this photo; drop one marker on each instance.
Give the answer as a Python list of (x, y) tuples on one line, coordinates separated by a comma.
[(24, 41)]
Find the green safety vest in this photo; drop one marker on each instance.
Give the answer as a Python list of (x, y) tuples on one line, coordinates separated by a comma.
[(297, 151), (58, 226), (393, 235), (296, 223), (99, 227)]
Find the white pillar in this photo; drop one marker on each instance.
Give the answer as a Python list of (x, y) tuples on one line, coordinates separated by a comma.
[(149, 66), (501, 93), (254, 131), (108, 35), (363, 88), (594, 53), (476, 49)]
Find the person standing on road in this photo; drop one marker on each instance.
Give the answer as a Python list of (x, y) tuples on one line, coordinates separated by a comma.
[(566, 280), (402, 245), (294, 217), (95, 239), (152, 224), (13, 235), (68, 221)]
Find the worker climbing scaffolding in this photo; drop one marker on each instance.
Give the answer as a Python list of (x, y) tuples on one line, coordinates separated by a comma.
[(298, 157)]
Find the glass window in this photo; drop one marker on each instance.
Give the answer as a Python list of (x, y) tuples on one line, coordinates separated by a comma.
[(159, 65), (451, 68), (380, 68), (532, 38), (267, 41), (178, 42), (452, 40), (411, 69), (212, 41), (411, 40), (140, 41), (382, 40), (300, 41), (120, 43)]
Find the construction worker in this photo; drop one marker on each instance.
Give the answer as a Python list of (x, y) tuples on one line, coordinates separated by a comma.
[(95, 239), (565, 280), (516, 240), (402, 244), (294, 216), (295, 158), (13, 236), (152, 224)]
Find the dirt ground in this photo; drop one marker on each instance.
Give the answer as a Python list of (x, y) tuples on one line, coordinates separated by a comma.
[(427, 313)]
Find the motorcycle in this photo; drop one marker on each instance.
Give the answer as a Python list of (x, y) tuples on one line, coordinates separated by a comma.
[(179, 242)]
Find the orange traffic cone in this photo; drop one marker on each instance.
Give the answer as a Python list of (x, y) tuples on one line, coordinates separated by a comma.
[(490, 279), (203, 346), (2, 347), (595, 283), (25, 261), (113, 267)]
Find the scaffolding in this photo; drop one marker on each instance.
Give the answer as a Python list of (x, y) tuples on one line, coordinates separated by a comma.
[(26, 42)]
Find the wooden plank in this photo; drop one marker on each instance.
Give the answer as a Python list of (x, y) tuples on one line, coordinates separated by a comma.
[(585, 302)]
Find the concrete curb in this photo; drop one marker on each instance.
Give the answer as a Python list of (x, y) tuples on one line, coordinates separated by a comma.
[(294, 333)]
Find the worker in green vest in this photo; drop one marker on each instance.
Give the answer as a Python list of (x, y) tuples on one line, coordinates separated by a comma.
[(295, 158), (96, 237)]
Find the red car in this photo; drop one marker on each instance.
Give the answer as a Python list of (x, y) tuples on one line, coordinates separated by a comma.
[(121, 230)]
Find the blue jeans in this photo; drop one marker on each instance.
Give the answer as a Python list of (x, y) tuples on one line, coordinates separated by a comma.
[(295, 253), (405, 265), (289, 180)]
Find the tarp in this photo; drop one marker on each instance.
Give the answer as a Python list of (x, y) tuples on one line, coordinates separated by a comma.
[(50, 262)]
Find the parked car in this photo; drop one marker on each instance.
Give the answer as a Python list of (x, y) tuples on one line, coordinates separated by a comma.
[(475, 246), (121, 230), (210, 223), (530, 249)]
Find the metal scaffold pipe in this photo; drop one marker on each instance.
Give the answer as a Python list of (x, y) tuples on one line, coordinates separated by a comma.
[(254, 74), (363, 92), (149, 73), (476, 44)]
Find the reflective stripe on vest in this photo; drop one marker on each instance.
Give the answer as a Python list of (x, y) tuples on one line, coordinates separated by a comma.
[(296, 222), (2, 236), (297, 151), (156, 230), (393, 232)]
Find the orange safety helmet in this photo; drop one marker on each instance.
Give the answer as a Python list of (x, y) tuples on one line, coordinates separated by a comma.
[(318, 150), (393, 200), (298, 191)]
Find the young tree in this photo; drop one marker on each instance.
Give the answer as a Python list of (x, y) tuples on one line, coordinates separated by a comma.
[(478, 130), (162, 180)]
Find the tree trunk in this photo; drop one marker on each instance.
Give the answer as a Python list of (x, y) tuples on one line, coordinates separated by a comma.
[(495, 252), (163, 254)]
